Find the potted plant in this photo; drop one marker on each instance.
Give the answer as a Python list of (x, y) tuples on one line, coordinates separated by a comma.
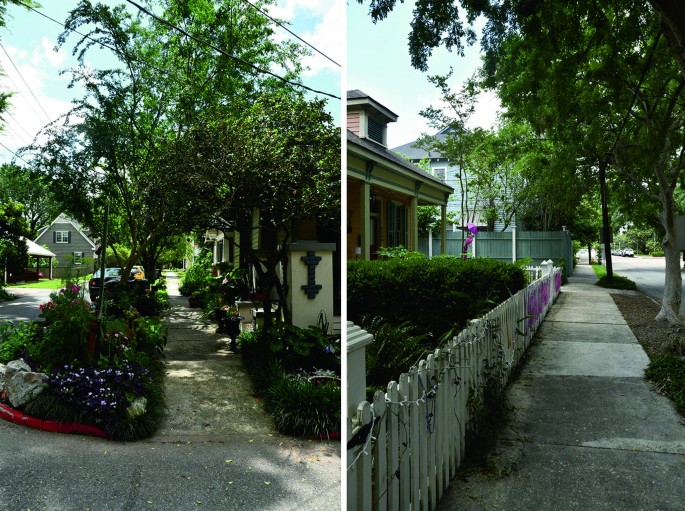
[(229, 323)]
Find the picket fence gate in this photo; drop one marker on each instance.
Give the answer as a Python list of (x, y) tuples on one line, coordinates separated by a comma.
[(411, 439)]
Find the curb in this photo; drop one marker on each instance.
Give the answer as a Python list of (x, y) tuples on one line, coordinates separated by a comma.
[(10, 414)]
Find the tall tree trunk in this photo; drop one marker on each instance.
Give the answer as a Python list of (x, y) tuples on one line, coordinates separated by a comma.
[(670, 303), (606, 229)]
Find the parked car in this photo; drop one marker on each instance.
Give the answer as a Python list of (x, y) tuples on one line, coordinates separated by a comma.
[(94, 283), (113, 277), (628, 252), (137, 272)]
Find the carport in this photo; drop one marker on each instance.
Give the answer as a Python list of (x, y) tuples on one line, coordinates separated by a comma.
[(35, 250)]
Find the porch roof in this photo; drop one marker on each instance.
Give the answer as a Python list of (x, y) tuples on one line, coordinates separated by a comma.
[(395, 158)]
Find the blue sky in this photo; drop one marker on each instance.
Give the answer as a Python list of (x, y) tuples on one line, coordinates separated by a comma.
[(378, 63), (29, 39)]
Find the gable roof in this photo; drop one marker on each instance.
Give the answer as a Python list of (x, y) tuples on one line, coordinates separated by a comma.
[(357, 98), (36, 250), (416, 153), (64, 219), (389, 155)]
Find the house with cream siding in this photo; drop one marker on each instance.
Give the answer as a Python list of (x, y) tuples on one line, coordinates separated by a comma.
[(384, 190)]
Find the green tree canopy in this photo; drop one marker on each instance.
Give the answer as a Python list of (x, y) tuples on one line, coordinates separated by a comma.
[(110, 146)]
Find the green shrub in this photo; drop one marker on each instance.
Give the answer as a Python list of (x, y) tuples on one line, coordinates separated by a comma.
[(616, 282), (69, 326), (298, 407), (17, 340), (436, 295), (302, 348), (393, 351), (199, 275), (398, 253), (657, 254), (295, 405)]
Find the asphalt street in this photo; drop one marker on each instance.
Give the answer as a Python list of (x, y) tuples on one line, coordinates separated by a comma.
[(54, 472), (647, 272), (25, 306), (251, 468)]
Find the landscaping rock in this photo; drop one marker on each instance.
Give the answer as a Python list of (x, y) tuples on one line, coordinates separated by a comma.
[(12, 368), (20, 383), (16, 366), (23, 386)]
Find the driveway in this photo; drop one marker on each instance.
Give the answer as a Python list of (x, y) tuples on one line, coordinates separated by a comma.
[(26, 306)]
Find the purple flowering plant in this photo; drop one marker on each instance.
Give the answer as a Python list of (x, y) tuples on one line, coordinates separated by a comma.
[(103, 394)]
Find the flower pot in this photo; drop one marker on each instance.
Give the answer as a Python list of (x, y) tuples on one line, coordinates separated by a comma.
[(230, 325)]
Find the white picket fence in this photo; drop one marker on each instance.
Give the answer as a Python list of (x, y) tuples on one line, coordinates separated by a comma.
[(411, 439)]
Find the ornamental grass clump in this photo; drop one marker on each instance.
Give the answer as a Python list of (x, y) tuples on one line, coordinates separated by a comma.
[(297, 372)]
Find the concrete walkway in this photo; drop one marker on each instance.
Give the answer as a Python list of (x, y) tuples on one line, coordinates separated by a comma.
[(208, 391), (588, 430)]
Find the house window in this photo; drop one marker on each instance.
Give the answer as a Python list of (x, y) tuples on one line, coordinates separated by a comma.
[(375, 131), (397, 225), (62, 237), (78, 257), (440, 173)]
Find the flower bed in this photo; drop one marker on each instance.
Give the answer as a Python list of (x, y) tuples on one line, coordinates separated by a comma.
[(107, 374), (297, 373)]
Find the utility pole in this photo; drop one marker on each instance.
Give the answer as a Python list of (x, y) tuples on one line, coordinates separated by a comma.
[(103, 262)]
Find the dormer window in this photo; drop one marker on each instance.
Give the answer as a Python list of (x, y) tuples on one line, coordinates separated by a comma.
[(376, 131), (367, 118)]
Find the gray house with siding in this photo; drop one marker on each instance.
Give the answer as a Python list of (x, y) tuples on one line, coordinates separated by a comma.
[(70, 243), (448, 171)]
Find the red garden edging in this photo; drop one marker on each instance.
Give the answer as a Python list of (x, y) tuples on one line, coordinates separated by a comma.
[(10, 414)]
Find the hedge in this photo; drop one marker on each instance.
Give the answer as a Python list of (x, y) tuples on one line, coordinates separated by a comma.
[(434, 295)]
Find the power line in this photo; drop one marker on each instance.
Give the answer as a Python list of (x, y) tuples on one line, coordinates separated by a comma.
[(100, 43), (167, 73), (223, 52), (16, 87), (291, 33), (15, 154), (16, 134), (27, 85)]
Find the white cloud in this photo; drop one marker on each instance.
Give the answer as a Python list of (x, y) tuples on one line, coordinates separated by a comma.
[(55, 57), (318, 22), (33, 98)]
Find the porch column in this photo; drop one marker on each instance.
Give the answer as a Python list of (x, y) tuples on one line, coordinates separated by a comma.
[(365, 219), (414, 232), (443, 229)]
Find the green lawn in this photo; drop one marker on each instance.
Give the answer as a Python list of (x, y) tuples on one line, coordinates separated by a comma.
[(45, 284)]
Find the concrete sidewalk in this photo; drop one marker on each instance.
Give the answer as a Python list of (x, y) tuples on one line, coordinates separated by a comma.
[(208, 391), (588, 430)]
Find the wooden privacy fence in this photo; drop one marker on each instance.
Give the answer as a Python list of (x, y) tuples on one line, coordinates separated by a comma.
[(406, 446)]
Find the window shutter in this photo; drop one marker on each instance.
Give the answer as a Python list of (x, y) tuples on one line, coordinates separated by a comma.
[(54, 236), (68, 236)]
